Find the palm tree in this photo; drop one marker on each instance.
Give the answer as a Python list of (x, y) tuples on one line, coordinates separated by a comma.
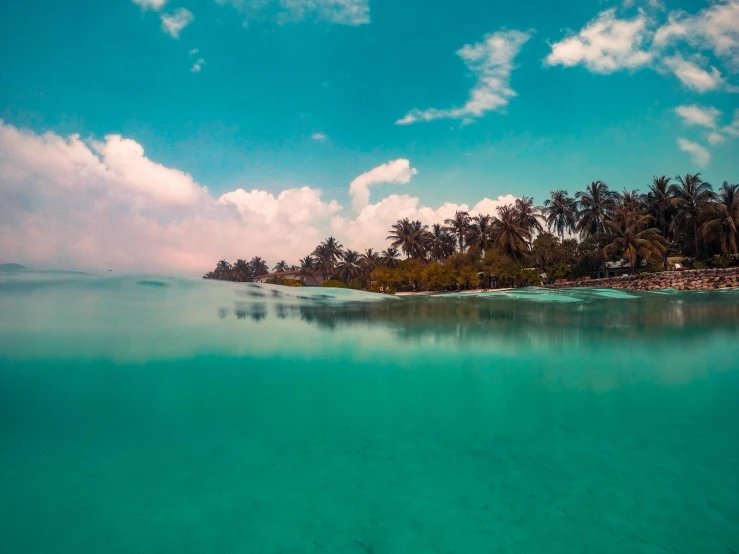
[(528, 216), (509, 236), (690, 195), (242, 271), (389, 257), (223, 270), (593, 208), (307, 267), (410, 237), (369, 260), (439, 243), (367, 263), (259, 266), (281, 266), (458, 226), (326, 254), (659, 202), (723, 223), (348, 267), (632, 199), (480, 233), (560, 213), (330, 250), (633, 239)]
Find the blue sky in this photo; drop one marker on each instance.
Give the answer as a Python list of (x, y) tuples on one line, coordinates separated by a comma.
[(273, 95)]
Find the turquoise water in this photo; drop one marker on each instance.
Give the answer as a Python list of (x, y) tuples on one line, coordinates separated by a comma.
[(163, 415)]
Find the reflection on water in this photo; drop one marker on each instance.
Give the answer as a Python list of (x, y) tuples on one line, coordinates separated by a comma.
[(152, 414), (528, 315)]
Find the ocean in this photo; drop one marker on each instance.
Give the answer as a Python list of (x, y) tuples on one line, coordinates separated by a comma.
[(144, 414)]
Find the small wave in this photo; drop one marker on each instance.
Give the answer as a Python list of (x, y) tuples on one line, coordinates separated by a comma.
[(152, 284)]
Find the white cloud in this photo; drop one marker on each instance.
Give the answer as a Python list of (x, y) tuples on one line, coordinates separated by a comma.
[(721, 135), (654, 4), (715, 138), (194, 51), (341, 12), (197, 67), (696, 115), (319, 136), (606, 44), (699, 155), (301, 206), (150, 4), (174, 23), (694, 76), (100, 205), (715, 28), (398, 171), (66, 203), (492, 63), (733, 128)]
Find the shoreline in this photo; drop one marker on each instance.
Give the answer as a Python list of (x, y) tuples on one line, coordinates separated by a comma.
[(688, 279), (441, 293)]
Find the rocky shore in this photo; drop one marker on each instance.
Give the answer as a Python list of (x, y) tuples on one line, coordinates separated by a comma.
[(692, 279)]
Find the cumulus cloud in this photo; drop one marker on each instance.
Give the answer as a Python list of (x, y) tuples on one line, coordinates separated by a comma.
[(693, 76), (715, 28), (318, 136), (67, 203), (398, 171), (699, 155), (606, 44), (197, 67), (150, 4), (696, 115), (98, 205), (302, 206), (341, 12), (491, 61), (175, 22)]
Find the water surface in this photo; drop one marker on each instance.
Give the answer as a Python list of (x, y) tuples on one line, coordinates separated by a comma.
[(144, 414)]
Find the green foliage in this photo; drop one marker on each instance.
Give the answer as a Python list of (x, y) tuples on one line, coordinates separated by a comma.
[(334, 283), (531, 277), (587, 266), (505, 270), (653, 266), (558, 270), (721, 261), (437, 276), (355, 284)]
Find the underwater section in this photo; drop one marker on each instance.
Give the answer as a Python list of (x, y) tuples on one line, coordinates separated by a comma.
[(155, 414)]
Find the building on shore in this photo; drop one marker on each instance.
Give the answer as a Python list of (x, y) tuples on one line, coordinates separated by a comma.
[(615, 269), (311, 280)]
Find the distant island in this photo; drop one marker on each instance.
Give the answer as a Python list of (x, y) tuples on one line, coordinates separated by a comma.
[(595, 234), (12, 267)]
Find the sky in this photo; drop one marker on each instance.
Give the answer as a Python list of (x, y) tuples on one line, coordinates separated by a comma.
[(163, 135)]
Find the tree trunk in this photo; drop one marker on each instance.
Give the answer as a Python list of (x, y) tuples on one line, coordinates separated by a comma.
[(695, 233)]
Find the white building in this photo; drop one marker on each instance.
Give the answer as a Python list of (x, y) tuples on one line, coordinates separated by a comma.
[(312, 280)]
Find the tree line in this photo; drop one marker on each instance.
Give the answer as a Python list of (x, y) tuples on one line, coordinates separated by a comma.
[(567, 237)]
